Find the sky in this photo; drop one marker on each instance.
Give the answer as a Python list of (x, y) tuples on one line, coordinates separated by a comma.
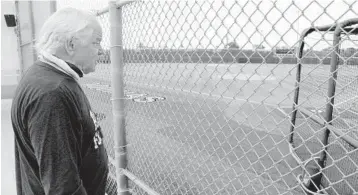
[(214, 23)]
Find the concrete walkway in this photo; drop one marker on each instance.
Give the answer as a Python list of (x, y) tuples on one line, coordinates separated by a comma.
[(8, 185)]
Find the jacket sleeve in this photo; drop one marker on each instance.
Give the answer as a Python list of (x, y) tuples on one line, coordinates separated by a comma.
[(56, 144)]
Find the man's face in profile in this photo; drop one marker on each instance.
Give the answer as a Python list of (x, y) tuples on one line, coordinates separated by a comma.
[(89, 49)]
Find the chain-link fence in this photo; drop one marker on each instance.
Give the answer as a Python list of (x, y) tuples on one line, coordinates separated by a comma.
[(209, 92)]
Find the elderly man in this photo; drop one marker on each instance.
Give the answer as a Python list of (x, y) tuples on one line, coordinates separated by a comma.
[(58, 142)]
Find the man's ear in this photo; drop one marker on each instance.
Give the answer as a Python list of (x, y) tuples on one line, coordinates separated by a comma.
[(70, 45)]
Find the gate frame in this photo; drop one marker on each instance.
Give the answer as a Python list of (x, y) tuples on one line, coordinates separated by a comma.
[(313, 186)]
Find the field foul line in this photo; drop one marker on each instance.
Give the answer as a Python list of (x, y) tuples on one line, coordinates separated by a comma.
[(213, 95), (106, 88)]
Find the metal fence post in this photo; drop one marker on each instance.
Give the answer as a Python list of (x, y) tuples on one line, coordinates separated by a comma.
[(115, 19), (19, 41), (53, 7), (331, 89), (33, 33)]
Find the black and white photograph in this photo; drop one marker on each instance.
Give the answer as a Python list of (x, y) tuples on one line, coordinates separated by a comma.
[(179, 97)]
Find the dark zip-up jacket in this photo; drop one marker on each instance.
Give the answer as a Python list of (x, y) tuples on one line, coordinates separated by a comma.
[(58, 148)]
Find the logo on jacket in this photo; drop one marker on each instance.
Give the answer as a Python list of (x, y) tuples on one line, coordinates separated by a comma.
[(97, 138)]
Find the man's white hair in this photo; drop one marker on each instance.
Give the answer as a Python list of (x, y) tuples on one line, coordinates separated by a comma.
[(61, 26)]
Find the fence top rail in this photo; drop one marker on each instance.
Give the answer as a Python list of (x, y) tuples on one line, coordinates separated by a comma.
[(102, 11), (119, 3)]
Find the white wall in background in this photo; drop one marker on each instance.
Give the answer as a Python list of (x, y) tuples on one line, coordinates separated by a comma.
[(10, 62)]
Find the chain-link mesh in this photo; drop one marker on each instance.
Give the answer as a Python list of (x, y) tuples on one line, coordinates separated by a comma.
[(210, 87), (223, 126)]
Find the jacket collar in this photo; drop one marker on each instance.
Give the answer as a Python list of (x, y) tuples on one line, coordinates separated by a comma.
[(76, 69)]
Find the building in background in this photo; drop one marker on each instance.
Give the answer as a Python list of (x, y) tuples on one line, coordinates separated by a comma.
[(10, 63), (18, 41)]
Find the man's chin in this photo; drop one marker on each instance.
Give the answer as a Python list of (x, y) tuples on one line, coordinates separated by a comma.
[(89, 71)]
